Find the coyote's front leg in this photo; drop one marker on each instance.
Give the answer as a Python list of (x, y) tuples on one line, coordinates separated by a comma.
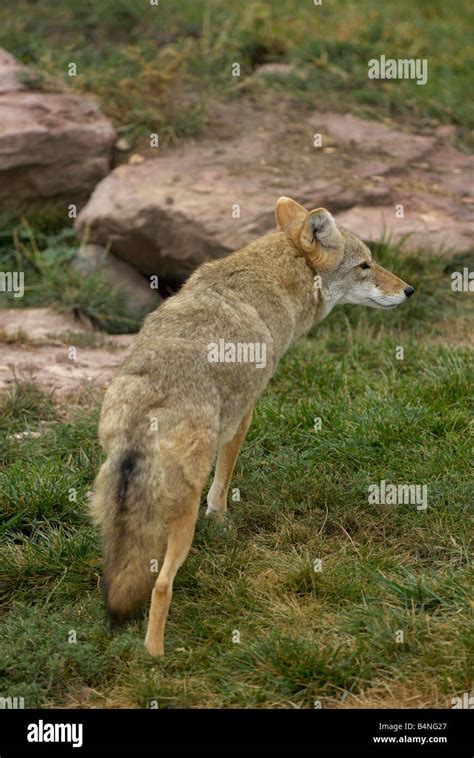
[(226, 458)]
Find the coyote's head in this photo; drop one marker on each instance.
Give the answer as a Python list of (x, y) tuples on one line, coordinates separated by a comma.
[(345, 265)]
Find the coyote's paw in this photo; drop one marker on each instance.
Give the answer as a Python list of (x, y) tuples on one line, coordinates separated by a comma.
[(216, 514), (154, 647), (215, 508)]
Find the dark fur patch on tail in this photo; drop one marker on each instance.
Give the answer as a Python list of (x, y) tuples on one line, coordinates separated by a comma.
[(127, 467)]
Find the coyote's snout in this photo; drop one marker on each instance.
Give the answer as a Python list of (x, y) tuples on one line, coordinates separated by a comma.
[(185, 395)]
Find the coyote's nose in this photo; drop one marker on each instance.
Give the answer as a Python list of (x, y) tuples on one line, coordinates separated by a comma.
[(409, 291)]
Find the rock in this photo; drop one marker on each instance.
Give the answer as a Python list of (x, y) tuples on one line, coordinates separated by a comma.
[(200, 201), (123, 146), (162, 224), (51, 144), (14, 77), (41, 352), (428, 229), (446, 131), (120, 275), (10, 73), (35, 323), (374, 137)]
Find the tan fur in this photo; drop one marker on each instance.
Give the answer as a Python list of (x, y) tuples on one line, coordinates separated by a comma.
[(170, 410), (226, 459)]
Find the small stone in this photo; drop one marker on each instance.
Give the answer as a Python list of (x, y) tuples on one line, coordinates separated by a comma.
[(136, 158), (123, 145)]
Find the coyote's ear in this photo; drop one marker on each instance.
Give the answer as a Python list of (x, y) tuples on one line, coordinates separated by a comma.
[(290, 217), (314, 233), (320, 229)]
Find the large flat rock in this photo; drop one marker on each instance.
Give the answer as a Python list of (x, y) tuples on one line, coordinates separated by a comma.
[(51, 143), (203, 200)]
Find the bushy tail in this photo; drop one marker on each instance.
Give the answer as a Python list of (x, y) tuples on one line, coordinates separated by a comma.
[(131, 536), (137, 493)]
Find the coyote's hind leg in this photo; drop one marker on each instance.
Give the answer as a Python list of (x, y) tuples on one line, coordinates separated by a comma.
[(180, 537)]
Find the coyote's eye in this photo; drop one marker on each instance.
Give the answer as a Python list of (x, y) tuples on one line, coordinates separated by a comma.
[(365, 265)]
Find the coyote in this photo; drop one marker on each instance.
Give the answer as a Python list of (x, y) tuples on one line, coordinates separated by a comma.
[(183, 398)]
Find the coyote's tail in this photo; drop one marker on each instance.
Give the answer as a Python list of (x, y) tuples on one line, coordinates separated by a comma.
[(131, 537), (138, 492)]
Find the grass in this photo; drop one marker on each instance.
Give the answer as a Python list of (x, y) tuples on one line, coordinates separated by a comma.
[(43, 253), (331, 636), (159, 67)]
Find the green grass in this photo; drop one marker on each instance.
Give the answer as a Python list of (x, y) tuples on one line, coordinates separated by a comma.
[(44, 252), (159, 67), (305, 635)]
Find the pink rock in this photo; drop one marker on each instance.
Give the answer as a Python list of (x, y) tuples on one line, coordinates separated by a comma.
[(10, 73), (427, 230), (41, 352), (373, 136), (51, 144), (202, 200)]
